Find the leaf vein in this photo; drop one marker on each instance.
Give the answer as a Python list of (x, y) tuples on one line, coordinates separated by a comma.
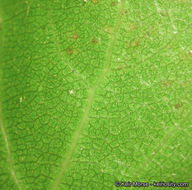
[(91, 94), (10, 161)]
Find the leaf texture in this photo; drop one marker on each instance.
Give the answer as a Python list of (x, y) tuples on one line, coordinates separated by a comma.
[(94, 92)]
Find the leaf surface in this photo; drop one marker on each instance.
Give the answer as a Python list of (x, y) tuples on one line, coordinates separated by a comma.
[(94, 92)]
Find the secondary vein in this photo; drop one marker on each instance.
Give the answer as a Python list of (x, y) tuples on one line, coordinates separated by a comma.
[(91, 95), (10, 162)]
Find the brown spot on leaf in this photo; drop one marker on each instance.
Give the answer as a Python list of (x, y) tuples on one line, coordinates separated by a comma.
[(95, 1), (120, 67), (113, 3), (179, 105), (185, 83), (169, 46), (183, 57), (95, 40), (163, 13), (124, 12), (134, 43), (109, 30), (75, 36), (186, 55), (166, 83), (132, 27), (69, 51)]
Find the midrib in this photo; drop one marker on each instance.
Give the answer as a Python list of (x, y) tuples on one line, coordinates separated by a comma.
[(91, 95)]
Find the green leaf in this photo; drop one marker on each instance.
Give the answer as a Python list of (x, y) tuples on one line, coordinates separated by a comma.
[(94, 92)]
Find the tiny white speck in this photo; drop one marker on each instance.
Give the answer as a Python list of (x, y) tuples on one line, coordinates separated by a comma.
[(85, 0), (118, 59), (71, 92), (190, 51), (175, 32), (119, 1), (20, 99)]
